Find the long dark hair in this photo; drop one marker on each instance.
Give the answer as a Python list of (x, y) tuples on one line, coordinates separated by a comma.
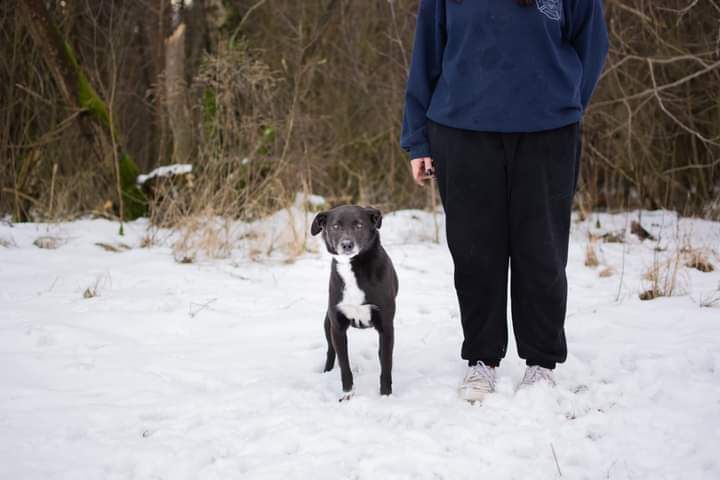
[(526, 3)]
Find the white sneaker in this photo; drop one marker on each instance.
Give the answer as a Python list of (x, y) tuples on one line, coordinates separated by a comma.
[(537, 374), (478, 382)]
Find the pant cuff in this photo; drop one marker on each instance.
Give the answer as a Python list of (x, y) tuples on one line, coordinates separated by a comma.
[(540, 363), (494, 363)]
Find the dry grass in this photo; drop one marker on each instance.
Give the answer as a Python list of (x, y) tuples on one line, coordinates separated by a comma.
[(606, 272), (614, 237), (297, 244), (7, 242), (148, 240), (637, 229), (115, 248), (242, 169), (662, 277), (101, 281), (699, 260), (48, 242), (710, 300), (90, 292), (591, 257), (203, 235), (311, 94)]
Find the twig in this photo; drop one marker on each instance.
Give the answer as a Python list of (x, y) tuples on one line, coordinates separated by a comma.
[(658, 60), (397, 39), (656, 89), (692, 167), (244, 19), (21, 194), (656, 92), (607, 475), (634, 11), (202, 306), (622, 268), (309, 49), (609, 163), (557, 464), (680, 11), (52, 189), (34, 94), (52, 285)]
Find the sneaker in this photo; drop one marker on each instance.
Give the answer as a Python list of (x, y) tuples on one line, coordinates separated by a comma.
[(537, 374), (478, 382)]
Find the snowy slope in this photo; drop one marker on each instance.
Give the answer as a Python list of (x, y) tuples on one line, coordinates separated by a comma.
[(212, 369)]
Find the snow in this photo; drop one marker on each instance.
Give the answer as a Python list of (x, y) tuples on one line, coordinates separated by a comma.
[(213, 369), (165, 171)]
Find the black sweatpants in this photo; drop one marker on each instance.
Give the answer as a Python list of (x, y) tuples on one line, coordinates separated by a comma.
[(508, 199)]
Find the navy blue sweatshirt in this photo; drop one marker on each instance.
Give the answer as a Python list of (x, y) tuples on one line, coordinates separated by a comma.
[(497, 66)]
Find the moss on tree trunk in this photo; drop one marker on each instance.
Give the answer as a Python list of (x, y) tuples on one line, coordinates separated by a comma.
[(97, 124)]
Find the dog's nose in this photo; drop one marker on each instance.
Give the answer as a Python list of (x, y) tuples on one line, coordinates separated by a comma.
[(346, 245)]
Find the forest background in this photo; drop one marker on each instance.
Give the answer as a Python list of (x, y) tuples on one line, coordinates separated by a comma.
[(266, 98)]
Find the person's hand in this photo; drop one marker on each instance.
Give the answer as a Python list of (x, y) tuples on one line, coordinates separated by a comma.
[(422, 169)]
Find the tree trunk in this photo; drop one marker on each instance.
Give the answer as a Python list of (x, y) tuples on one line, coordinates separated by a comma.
[(96, 124), (177, 97)]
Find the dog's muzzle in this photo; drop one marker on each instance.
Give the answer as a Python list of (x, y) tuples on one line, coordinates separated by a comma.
[(346, 246)]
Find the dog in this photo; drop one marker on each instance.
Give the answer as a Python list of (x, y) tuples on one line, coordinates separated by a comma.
[(363, 287)]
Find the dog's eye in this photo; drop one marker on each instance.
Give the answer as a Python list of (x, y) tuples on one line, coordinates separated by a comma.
[(358, 226), (335, 226)]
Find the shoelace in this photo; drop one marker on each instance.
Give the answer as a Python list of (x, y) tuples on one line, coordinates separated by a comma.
[(479, 376), (536, 373)]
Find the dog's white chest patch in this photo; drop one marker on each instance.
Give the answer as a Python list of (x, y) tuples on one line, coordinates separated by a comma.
[(352, 304)]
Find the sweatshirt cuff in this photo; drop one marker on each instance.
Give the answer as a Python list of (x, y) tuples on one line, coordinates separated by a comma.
[(419, 151)]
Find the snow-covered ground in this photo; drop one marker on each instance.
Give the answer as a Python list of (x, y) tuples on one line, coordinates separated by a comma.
[(212, 369)]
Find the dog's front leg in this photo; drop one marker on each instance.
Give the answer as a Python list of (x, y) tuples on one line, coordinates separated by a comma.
[(339, 340), (385, 352)]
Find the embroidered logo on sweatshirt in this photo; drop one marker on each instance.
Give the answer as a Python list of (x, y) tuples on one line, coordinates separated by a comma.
[(550, 8)]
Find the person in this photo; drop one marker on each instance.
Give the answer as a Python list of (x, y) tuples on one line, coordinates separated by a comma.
[(495, 94)]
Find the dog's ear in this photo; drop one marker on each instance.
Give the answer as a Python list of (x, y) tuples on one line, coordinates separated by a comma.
[(375, 217), (318, 223)]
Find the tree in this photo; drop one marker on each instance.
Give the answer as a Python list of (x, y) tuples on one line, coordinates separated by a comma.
[(95, 121)]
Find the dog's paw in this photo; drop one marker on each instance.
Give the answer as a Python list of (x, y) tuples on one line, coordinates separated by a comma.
[(346, 396), (385, 385)]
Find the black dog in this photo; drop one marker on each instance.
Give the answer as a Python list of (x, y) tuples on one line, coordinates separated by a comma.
[(363, 287)]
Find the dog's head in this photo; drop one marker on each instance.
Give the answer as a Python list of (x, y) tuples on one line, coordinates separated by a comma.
[(348, 229)]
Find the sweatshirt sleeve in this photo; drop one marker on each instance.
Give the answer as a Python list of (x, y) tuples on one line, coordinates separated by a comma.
[(589, 36), (425, 70)]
